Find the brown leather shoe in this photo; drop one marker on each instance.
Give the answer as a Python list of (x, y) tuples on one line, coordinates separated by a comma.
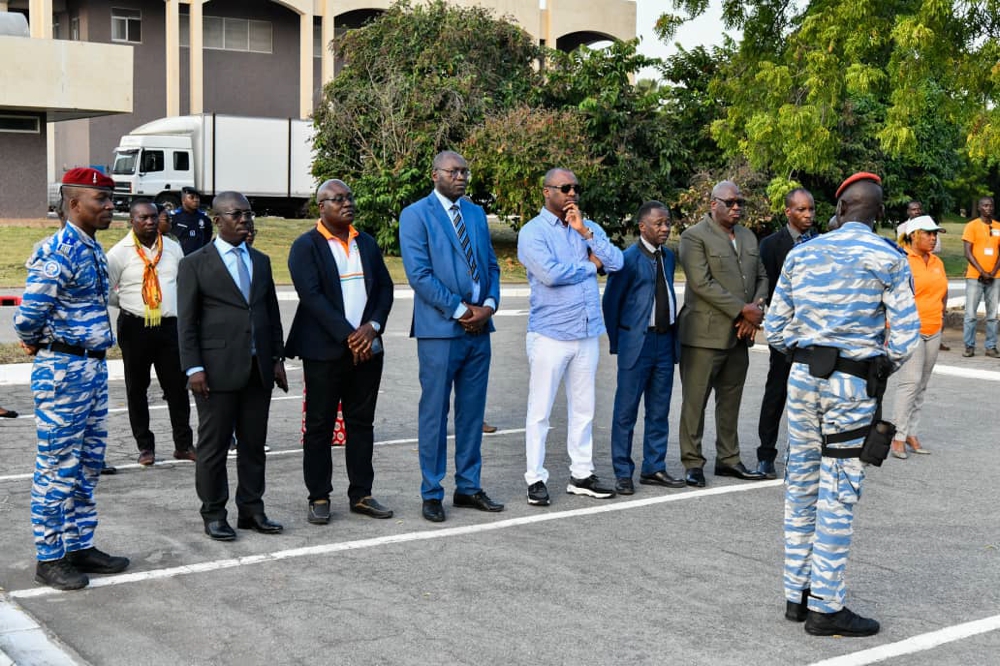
[(186, 454), (146, 457), (369, 506), (489, 429)]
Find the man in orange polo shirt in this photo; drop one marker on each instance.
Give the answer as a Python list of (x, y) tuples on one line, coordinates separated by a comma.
[(982, 245), (345, 294)]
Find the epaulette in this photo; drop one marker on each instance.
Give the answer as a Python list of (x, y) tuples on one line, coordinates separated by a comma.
[(894, 245)]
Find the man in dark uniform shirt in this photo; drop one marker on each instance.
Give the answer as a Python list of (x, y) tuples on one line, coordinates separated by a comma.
[(191, 226)]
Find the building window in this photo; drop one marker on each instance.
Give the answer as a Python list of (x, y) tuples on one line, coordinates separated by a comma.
[(318, 41), (20, 124), (233, 34), (126, 25), (56, 29), (74, 28), (184, 38)]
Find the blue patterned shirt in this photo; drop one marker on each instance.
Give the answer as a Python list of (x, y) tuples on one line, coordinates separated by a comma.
[(66, 294), (847, 289)]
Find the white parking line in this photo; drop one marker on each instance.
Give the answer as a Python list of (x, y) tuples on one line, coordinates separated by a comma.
[(422, 535), (914, 644), (283, 452)]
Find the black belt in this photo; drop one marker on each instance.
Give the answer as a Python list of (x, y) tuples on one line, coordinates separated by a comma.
[(845, 365), (64, 348), (661, 331)]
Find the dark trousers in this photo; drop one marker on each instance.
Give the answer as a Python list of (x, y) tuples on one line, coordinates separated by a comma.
[(773, 404), (144, 347), (329, 383), (704, 371), (651, 379), (222, 412)]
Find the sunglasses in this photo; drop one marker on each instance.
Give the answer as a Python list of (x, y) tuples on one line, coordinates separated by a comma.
[(338, 199), (567, 188), (729, 203)]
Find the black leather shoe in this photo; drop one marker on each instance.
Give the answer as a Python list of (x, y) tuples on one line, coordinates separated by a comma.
[(319, 512), (661, 479), (369, 506), (259, 523), (739, 471), (842, 623), (796, 611), (433, 511), (695, 477), (624, 486), (766, 467), (220, 530), (479, 501), (60, 574), (108, 469), (91, 560)]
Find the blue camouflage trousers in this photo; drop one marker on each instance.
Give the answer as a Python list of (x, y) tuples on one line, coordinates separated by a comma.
[(820, 492), (71, 413)]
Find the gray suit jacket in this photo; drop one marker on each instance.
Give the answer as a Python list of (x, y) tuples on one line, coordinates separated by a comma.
[(721, 279)]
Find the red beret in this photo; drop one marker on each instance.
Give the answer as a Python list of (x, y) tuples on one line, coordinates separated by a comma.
[(87, 177), (861, 175)]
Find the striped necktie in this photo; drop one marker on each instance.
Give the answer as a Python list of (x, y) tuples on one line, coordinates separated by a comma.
[(463, 239)]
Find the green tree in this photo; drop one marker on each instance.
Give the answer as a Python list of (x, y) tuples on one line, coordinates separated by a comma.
[(511, 152), (415, 81)]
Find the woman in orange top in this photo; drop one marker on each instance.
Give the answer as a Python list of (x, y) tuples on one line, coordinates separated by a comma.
[(931, 293)]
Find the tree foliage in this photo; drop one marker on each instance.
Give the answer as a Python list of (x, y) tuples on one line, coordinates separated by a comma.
[(814, 91), (415, 81)]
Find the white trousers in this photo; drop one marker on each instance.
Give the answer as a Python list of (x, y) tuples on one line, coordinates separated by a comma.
[(549, 361)]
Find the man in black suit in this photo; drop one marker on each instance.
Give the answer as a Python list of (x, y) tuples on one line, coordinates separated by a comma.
[(345, 294), (229, 330), (800, 209)]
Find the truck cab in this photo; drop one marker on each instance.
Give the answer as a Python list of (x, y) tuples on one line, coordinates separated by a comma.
[(156, 167)]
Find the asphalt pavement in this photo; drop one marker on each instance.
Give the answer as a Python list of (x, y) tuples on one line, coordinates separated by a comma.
[(663, 577)]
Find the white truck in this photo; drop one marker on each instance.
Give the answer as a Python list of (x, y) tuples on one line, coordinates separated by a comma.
[(269, 160)]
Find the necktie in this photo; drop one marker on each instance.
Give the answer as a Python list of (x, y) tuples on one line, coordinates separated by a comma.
[(243, 273), (463, 239), (662, 297)]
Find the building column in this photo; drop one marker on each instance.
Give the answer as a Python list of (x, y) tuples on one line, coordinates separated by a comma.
[(173, 58), (305, 64), (327, 62), (195, 53), (40, 18), (3, 5)]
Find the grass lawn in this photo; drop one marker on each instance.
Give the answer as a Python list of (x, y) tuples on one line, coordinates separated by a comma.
[(274, 237)]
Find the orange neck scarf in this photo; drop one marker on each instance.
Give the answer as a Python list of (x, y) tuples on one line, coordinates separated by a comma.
[(151, 294)]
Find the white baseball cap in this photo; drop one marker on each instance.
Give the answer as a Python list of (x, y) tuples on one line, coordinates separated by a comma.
[(924, 223)]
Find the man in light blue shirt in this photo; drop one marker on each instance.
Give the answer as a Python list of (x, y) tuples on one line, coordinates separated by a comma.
[(563, 254)]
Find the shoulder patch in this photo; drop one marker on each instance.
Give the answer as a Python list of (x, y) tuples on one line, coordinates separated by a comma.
[(51, 269)]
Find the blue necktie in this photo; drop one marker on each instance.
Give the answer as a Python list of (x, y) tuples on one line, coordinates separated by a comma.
[(463, 239), (243, 273)]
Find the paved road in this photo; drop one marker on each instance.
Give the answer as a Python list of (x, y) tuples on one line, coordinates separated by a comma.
[(667, 576)]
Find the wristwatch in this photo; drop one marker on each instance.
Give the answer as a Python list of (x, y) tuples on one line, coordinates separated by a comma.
[(377, 326)]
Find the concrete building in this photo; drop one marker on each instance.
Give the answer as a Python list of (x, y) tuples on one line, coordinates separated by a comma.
[(45, 83), (252, 57)]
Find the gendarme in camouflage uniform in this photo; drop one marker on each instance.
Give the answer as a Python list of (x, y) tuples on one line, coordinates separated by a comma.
[(63, 320), (848, 289)]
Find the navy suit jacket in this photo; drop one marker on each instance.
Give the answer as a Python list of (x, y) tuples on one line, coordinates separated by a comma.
[(437, 268), (320, 329), (628, 303)]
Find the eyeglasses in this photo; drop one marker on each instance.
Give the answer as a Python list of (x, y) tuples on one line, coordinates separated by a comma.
[(338, 199), (455, 173), (729, 203), (565, 189), (240, 214)]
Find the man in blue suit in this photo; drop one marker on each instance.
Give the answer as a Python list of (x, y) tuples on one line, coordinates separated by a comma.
[(450, 263), (640, 313)]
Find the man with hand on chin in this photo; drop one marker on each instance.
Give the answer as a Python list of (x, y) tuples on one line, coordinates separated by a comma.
[(563, 252), (229, 329)]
